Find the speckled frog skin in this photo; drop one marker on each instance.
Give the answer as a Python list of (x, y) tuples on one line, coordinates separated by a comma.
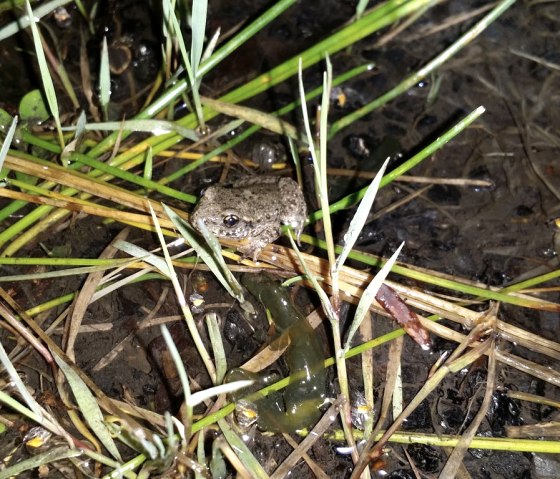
[(253, 210)]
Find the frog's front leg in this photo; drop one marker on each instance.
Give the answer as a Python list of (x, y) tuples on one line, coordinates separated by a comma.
[(252, 247), (264, 235)]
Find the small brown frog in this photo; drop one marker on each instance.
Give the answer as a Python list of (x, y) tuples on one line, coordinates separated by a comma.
[(253, 210)]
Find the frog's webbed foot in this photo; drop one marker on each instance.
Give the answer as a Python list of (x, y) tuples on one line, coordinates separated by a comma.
[(251, 251)]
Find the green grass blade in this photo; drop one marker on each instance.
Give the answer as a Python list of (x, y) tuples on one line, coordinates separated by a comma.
[(210, 253), (359, 219), (187, 414), (24, 21), (135, 179), (368, 296), (325, 302), (353, 198), (48, 85), (149, 165), (156, 127), (242, 451), (361, 7), (104, 80), (18, 383), (89, 407), (174, 22), (413, 79), (215, 336), (7, 142), (199, 11), (42, 459), (142, 255)]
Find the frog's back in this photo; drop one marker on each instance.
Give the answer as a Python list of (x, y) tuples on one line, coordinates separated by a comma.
[(294, 208)]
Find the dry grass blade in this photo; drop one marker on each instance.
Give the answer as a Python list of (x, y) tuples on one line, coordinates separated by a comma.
[(85, 183), (455, 460), (9, 312), (84, 297), (243, 456), (456, 362), (352, 282), (256, 117), (391, 380), (89, 407), (549, 429), (317, 471), (80, 206), (323, 424), (107, 404)]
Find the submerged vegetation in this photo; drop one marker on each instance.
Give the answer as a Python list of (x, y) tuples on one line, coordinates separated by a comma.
[(128, 167)]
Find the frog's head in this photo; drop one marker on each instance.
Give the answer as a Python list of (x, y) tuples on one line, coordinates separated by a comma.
[(223, 218)]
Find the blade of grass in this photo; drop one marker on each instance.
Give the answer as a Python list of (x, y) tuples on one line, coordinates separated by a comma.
[(211, 254), (40, 460), (25, 20), (46, 79), (187, 411), (18, 383), (320, 164), (359, 219), (88, 406), (361, 7), (242, 451), (105, 81), (353, 198), (201, 396), (7, 142), (176, 31), (217, 346), (368, 296), (135, 179), (256, 117), (423, 72), (199, 10), (156, 127), (325, 302)]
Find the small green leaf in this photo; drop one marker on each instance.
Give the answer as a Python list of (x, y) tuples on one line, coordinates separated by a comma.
[(32, 107), (5, 120)]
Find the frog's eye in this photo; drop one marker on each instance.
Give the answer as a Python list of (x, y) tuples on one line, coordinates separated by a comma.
[(231, 220)]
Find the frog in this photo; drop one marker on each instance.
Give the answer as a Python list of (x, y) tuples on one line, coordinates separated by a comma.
[(252, 209)]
